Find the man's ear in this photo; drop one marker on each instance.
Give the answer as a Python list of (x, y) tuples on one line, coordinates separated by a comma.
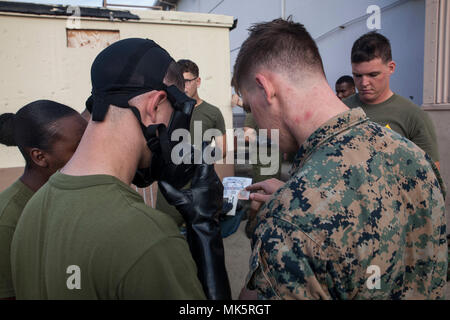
[(198, 81), (264, 83), (38, 157), (153, 102), (391, 65)]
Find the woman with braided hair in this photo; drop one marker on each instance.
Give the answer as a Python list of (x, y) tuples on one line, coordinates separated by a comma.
[(47, 133)]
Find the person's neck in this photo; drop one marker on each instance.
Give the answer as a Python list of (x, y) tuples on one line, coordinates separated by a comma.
[(34, 179), (197, 98), (108, 148), (309, 108)]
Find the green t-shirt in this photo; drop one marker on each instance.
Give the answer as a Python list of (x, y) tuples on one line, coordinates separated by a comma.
[(211, 118), (12, 202), (405, 118), (93, 237)]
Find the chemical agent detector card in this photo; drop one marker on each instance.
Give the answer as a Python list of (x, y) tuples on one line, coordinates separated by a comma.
[(234, 190)]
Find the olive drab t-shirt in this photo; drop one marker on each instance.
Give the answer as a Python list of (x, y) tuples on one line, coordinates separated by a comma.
[(405, 118), (209, 117), (12, 202), (93, 237)]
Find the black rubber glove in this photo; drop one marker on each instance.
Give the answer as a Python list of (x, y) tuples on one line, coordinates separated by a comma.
[(226, 207), (200, 207)]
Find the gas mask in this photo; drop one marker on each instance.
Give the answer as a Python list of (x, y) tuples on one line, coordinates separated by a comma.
[(129, 68), (159, 142)]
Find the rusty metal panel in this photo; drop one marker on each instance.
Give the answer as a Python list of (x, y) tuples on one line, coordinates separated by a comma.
[(94, 39)]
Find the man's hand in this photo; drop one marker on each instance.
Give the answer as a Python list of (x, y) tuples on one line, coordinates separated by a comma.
[(264, 189)]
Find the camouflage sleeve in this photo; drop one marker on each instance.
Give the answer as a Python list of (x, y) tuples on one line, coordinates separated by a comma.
[(287, 264)]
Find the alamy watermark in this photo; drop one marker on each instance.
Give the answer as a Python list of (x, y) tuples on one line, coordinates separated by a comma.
[(261, 150), (374, 20), (374, 280), (74, 278)]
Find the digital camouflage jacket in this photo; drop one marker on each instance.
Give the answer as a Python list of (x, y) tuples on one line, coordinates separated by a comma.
[(362, 217)]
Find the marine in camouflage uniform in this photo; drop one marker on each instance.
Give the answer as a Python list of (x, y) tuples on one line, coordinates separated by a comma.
[(359, 195)]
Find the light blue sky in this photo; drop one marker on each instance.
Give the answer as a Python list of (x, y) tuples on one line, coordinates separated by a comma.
[(91, 3)]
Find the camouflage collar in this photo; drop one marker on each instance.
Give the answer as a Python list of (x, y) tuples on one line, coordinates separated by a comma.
[(329, 129)]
